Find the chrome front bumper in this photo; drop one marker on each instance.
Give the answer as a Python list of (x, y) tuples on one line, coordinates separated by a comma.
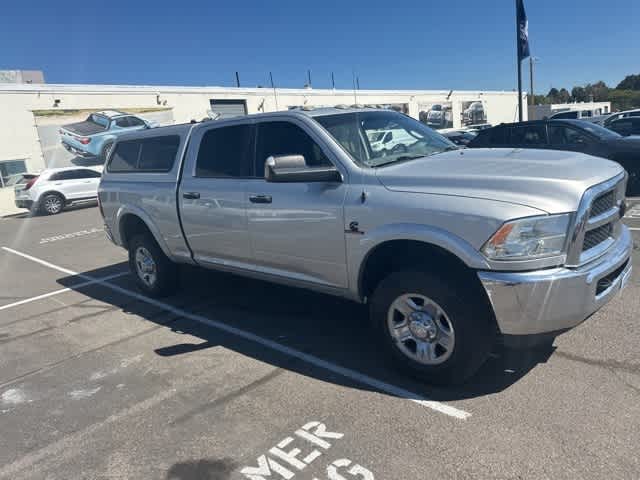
[(529, 303)]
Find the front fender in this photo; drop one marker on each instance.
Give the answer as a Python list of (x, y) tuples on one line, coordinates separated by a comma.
[(360, 248), (427, 234)]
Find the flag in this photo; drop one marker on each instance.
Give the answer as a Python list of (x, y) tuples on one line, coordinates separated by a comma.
[(523, 31)]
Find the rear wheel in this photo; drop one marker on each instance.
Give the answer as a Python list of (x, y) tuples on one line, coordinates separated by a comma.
[(431, 327), (155, 274), (52, 204)]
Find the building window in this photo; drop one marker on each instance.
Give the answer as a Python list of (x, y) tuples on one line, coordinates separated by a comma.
[(10, 169)]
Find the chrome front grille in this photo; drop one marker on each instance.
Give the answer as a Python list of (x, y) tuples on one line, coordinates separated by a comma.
[(595, 237), (597, 223), (603, 203)]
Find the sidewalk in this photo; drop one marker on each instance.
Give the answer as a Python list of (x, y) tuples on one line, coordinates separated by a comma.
[(7, 207)]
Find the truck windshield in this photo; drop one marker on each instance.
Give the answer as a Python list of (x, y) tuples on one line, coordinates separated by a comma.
[(404, 138), (98, 119)]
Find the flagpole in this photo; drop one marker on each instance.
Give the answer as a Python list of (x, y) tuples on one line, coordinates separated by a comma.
[(519, 89), (519, 65)]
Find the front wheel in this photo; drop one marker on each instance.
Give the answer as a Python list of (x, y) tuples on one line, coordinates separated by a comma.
[(155, 274), (432, 327)]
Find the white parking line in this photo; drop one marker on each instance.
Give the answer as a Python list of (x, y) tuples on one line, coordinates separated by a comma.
[(310, 359), (64, 290), (633, 228)]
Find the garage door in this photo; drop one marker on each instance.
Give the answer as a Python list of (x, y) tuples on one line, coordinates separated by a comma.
[(229, 108)]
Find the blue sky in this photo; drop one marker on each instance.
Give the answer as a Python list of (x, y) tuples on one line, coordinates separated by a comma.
[(457, 44)]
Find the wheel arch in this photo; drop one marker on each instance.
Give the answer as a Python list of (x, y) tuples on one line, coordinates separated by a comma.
[(412, 254), (132, 221), (52, 192)]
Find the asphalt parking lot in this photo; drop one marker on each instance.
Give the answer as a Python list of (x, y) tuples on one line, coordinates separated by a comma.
[(235, 378)]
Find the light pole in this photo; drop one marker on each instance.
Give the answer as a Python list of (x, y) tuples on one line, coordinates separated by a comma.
[(532, 60)]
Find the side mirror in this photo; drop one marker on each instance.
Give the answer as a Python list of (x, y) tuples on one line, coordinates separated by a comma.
[(294, 169)]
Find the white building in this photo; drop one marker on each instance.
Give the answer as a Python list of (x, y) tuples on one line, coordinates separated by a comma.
[(584, 109), (31, 114)]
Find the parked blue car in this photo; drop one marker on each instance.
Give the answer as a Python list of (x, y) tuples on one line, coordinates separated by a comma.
[(96, 135)]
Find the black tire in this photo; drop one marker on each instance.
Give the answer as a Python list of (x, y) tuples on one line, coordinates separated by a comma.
[(51, 204), (166, 272), (106, 150), (469, 315)]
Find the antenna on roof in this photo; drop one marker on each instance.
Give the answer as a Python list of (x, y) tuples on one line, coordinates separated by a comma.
[(275, 94), (355, 95), (237, 80), (333, 81)]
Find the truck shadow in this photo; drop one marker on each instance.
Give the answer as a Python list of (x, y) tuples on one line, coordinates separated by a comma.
[(203, 469), (331, 329)]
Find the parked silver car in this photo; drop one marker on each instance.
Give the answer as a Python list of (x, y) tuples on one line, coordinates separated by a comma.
[(448, 247)]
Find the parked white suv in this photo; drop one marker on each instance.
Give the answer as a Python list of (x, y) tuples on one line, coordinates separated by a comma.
[(55, 188)]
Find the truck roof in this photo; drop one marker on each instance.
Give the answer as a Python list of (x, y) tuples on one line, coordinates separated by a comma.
[(111, 113), (181, 128)]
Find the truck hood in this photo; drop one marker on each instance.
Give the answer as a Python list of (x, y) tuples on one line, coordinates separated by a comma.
[(549, 180)]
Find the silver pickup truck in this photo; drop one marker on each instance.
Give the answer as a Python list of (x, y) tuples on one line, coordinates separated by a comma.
[(450, 248)]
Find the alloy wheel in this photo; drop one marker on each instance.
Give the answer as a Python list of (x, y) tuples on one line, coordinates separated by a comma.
[(421, 329), (146, 266)]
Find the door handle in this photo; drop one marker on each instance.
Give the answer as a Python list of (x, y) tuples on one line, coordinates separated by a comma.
[(260, 198), (191, 195)]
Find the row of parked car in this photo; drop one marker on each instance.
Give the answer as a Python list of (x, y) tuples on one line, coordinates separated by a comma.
[(55, 188), (615, 136)]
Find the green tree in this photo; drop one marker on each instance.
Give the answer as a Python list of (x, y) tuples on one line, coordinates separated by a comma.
[(600, 91), (564, 96), (630, 82), (579, 94), (553, 95), (541, 100), (624, 99)]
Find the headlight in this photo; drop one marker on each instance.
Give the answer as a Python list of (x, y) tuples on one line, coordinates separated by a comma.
[(529, 238)]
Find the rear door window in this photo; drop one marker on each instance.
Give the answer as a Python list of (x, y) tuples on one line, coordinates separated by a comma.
[(529, 135), (496, 136), (135, 122), (86, 173), (225, 152), (64, 175)]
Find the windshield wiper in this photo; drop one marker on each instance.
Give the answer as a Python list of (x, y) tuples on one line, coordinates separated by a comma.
[(402, 158)]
